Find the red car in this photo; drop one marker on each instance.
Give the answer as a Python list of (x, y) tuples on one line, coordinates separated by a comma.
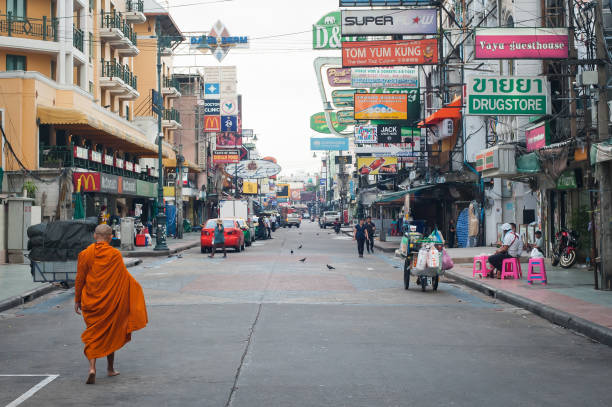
[(234, 237)]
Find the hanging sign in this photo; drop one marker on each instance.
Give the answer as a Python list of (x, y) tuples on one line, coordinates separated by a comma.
[(346, 117), (388, 133), (366, 134), (212, 123), (508, 96), (521, 43), (395, 77), (390, 53), (343, 159), (337, 77), (319, 124), (390, 22), (537, 136), (328, 144), (376, 165), (567, 180), (226, 156), (381, 106), (345, 97), (219, 41), (253, 169)]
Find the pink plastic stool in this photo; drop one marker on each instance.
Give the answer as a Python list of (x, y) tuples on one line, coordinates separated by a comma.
[(483, 269), (514, 265), (533, 275)]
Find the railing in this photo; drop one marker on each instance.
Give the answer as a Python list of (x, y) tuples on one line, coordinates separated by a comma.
[(114, 20), (135, 5), (170, 82), (172, 114), (44, 28), (77, 38), (114, 69)]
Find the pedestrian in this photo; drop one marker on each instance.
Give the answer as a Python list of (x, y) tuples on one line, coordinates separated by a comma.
[(110, 299), (360, 234), (219, 239), (510, 248), (268, 227), (452, 230), (371, 228)]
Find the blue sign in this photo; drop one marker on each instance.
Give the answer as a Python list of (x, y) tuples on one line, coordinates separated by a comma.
[(229, 124), (329, 143), (322, 182), (211, 89), (375, 3)]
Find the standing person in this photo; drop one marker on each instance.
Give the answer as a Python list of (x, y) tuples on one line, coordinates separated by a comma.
[(371, 228), (268, 227), (360, 234), (510, 248), (452, 230), (110, 299), (219, 239)]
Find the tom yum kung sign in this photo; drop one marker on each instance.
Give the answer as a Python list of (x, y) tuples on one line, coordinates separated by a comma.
[(521, 43), (508, 96), (390, 53)]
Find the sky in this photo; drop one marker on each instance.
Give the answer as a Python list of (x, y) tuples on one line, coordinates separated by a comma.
[(275, 75)]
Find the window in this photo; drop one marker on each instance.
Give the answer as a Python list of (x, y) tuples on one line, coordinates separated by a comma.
[(16, 7), (15, 63)]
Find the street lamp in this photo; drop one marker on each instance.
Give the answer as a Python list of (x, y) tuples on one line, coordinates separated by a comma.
[(160, 238)]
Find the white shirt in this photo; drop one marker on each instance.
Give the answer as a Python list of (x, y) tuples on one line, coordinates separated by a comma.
[(513, 242)]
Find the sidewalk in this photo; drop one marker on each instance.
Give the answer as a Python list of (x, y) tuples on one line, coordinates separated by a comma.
[(188, 241), (568, 299)]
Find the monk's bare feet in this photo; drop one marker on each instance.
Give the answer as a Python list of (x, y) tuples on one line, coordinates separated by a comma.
[(112, 373), (91, 378)]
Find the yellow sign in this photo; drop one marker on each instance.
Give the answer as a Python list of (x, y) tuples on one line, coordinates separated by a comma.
[(377, 165), (169, 192), (249, 188)]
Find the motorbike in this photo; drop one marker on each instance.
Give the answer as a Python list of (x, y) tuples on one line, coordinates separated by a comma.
[(337, 227), (564, 251)]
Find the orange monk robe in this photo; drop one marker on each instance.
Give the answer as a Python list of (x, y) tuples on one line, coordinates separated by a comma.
[(111, 300)]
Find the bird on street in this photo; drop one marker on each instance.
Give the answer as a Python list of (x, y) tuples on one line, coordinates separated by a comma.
[(330, 267), (300, 246), (303, 260), (291, 251)]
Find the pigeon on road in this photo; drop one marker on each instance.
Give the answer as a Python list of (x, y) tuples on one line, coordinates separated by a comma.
[(300, 246), (330, 267), (291, 251), (303, 260)]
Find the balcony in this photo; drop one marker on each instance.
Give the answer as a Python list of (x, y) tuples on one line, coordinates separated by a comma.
[(170, 87), (171, 119), (119, 80), (119, 34), (135, 11), (24, 27), (77, 38)]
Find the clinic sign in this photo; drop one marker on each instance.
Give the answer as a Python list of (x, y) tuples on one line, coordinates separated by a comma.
[(389, 22), (393, 77), (508, 96), (521, 43)]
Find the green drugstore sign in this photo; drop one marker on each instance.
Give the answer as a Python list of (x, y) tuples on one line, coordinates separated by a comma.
[(507, 96), (319, 124)]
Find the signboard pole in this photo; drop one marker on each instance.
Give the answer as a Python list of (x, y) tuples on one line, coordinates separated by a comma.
[(160, 233)]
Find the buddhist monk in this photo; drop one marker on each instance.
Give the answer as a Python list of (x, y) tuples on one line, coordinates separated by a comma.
[(111, 300)]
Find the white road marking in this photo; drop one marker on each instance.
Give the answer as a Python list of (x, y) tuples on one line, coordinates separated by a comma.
[(343, 238), (48, 379)]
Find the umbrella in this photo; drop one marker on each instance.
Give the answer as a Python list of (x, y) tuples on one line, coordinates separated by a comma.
[(79, 209)]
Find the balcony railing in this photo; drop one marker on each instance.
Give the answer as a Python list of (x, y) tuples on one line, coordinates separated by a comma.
[(170, 82), (172, 114), (135, 5), (114, 69), (114, 20), (77, 38), (40, 28)]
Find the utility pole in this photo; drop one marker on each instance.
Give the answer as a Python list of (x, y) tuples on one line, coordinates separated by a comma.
[(179, 192), (160, 233)]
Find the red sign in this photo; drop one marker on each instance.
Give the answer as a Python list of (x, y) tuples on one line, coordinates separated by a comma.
[(86, 181), (537, 137), (390, 53), (226, 156), (212, 123), (229, 140)]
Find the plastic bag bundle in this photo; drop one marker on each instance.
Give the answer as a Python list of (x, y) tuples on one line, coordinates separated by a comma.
[(536, 254), (433, 258), (447, 262), (421, 263)]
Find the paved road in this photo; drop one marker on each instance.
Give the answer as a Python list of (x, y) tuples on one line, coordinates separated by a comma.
[(262, 329)]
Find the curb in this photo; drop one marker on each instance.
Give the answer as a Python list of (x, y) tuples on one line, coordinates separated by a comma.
[(590, 329), (160, 253)]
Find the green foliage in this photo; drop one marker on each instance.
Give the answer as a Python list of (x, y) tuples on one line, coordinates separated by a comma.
[(30, 188)]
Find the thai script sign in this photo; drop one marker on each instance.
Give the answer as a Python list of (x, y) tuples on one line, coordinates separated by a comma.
[(376, 165), (537, 137), (226, 156), (81, 152), (249, 188), (507, 96), (127, 185), (398, 77), (390, 53), (338, 77), (389, 22), (366, 134), (95, 156), (328, 144), (521, 43), (381, 106)]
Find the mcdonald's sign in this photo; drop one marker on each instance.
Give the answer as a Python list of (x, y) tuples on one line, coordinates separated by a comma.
[(86, 181), (212, 123)]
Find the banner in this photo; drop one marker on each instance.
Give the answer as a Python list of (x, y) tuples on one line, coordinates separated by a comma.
[(508, 96), (521, 43), (390, 22), (395, 77), (329, 143), (229, 140), (390, 53), (366, 134), (337, 77), (386, 3), (414, 104), (380, 106), (282, 191), (226, 156), (249, 188), (377, 165)]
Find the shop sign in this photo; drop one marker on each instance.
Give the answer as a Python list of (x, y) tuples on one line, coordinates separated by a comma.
[(537, 137), (129, 166), (319, 124), (485, 160), (212, 107), (229, 106), (567, 180), (95, 156), (212, 123), (521, 43), (218, 41), (282, 191), (80, 152), (366, 134), (345, 97), (169, 192), (119, 163), (338, 77), (414, 102), (380, 106), (229, 140), (390, 22), (229, 124), (127, 186), (109, 160), (249, 188), (508, 96), (387, 3), (376, 165), (253, 169), (226, 156), (394, 77), (109, 183), (390, 53), (346, 117), (86, 181), (137, 168), (343, 159), (153, 172), (329, 144), (144, 188), (389, 133)]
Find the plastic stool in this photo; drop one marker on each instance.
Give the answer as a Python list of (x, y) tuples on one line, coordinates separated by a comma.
[(483, 270), (533, 275), (514, 265)]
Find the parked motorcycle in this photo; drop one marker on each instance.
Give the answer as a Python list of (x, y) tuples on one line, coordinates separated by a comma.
[(564, 251)]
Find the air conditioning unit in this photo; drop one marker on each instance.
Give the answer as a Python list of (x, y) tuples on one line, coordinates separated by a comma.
[(497, 162)]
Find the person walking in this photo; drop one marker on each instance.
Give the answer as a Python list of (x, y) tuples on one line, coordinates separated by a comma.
[(109, 298), (371, 228), (360, 234), (219, 239), (452, 230)]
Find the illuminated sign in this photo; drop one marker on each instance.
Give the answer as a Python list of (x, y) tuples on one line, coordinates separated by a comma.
[(226, 156)]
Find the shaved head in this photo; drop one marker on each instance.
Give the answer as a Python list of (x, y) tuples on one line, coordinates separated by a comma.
[(103, 233)]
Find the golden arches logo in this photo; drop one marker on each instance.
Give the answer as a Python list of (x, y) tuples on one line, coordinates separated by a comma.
[(212, 123), (84, 181)]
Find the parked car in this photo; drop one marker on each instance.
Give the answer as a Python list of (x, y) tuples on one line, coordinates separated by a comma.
[(293, 219), (249, 231), (234, 235), (329, 218)]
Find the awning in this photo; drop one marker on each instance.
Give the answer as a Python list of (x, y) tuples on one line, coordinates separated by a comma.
[(450, 111), (399, 196), (99, 131), (528, 163), (171, 163)]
